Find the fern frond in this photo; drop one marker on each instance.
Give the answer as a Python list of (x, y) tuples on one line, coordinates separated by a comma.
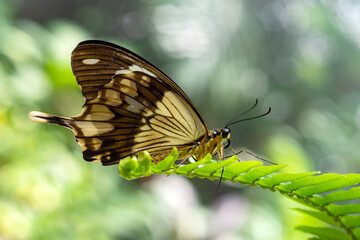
[(310, 189)]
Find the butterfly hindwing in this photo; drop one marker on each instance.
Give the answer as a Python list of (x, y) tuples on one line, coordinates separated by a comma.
[(130, 106)]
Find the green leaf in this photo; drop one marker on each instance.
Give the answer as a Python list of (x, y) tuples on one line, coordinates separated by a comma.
[(319, 215), (132, 168), (185, 169), (166, 164), (126, 166), (343, 220), (324, 232), (209, 169), (351, 194), (338, 182), (309, 181), (283, 178), (338, 210), (356, 232), (238, 168), (351, 221), (144, 160), (256, 173)]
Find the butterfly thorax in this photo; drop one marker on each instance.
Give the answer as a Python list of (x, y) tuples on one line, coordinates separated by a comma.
[(213, 144)]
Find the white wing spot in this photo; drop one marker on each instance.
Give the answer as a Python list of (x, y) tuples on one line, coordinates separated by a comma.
[(136, 68), (90, 61), (123, 71)]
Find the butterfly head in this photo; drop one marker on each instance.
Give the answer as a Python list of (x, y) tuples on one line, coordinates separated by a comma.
[(224, 134)]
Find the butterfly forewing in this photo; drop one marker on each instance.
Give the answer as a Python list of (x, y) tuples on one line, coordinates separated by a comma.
[(130, 106)]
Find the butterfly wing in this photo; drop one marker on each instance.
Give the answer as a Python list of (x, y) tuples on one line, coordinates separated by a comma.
[(130, 106)]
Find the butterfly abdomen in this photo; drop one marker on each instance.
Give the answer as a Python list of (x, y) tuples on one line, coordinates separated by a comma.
[(48, 118), (212, 146)]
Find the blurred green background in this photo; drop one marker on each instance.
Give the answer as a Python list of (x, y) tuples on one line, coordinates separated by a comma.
[(299, 57)]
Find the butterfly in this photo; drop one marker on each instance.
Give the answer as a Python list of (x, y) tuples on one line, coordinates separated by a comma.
[(132, 106)]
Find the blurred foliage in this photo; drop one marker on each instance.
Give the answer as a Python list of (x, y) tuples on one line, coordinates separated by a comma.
[(300, 57)]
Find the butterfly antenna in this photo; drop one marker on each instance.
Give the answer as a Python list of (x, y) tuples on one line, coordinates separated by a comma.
[(239, 115), (245, 119)]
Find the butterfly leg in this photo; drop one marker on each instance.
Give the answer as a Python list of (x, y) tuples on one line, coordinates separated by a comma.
[(178, 165), (222, 173), (182, 161), (254, 155), (233, 151)]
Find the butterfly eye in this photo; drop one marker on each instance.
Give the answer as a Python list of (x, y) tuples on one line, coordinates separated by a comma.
[(225, 132)]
